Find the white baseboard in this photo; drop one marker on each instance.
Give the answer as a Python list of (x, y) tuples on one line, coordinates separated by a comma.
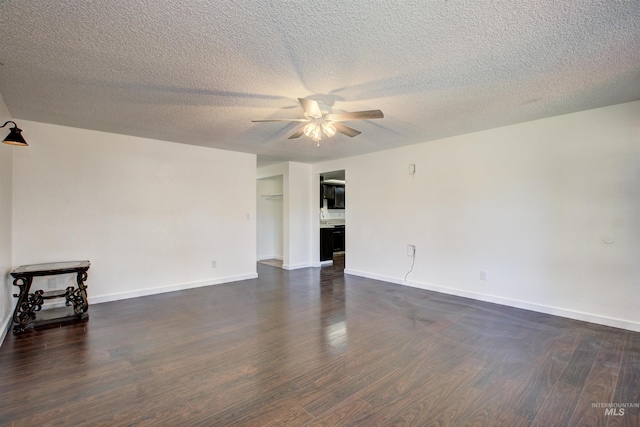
[(172, 288), (6, 324), (322, 263), (296, 266), (263, 257), (556, 311)]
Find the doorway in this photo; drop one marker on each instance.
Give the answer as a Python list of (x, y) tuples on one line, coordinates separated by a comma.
[(269, 224), (332, 218)]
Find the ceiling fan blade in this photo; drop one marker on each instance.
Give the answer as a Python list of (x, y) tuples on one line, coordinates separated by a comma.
[(356, 115), (311, 108), (281, 120), (346, 130), (297, 134)]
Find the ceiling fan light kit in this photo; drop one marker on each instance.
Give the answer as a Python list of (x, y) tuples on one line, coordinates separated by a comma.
[(312, 130), (329, 129), (319, 122)]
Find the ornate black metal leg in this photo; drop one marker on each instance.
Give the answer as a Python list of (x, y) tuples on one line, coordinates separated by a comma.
[(78, 296), (27, 305)]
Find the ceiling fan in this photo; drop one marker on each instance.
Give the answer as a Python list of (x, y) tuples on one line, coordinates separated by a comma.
[(319, 122)]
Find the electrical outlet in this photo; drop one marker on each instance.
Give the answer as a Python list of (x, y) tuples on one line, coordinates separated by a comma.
[(214, 264), (484, 275), (411, 250), (412, 169)]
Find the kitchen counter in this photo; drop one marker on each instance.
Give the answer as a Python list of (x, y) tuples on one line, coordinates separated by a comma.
[(332, 223)]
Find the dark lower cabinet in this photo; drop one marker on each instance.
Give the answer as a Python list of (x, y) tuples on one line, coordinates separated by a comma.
[(338, 239), (331, 240), (326, 244)]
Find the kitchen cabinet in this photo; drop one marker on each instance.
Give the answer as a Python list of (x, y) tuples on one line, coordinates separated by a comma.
[(326, 244), (338, 200), (328, 191), (331, 240), (338, 239), (334, 195)]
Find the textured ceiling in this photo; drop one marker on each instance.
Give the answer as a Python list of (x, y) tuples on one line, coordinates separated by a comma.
[(198, 71)]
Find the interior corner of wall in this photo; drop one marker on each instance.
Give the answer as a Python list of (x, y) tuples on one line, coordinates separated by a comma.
[(4, 111)]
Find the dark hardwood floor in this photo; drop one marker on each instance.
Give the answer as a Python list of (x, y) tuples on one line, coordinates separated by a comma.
[(313, 347)]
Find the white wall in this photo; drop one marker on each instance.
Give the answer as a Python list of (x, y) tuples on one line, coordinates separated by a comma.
[(6, 293), (269, 218), (532, 204), (301, 215), (150, 215)]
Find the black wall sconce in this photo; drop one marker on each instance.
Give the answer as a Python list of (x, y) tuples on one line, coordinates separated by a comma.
[(14, 137)]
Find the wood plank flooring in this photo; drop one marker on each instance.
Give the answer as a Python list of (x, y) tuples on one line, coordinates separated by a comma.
[(312, 347)]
